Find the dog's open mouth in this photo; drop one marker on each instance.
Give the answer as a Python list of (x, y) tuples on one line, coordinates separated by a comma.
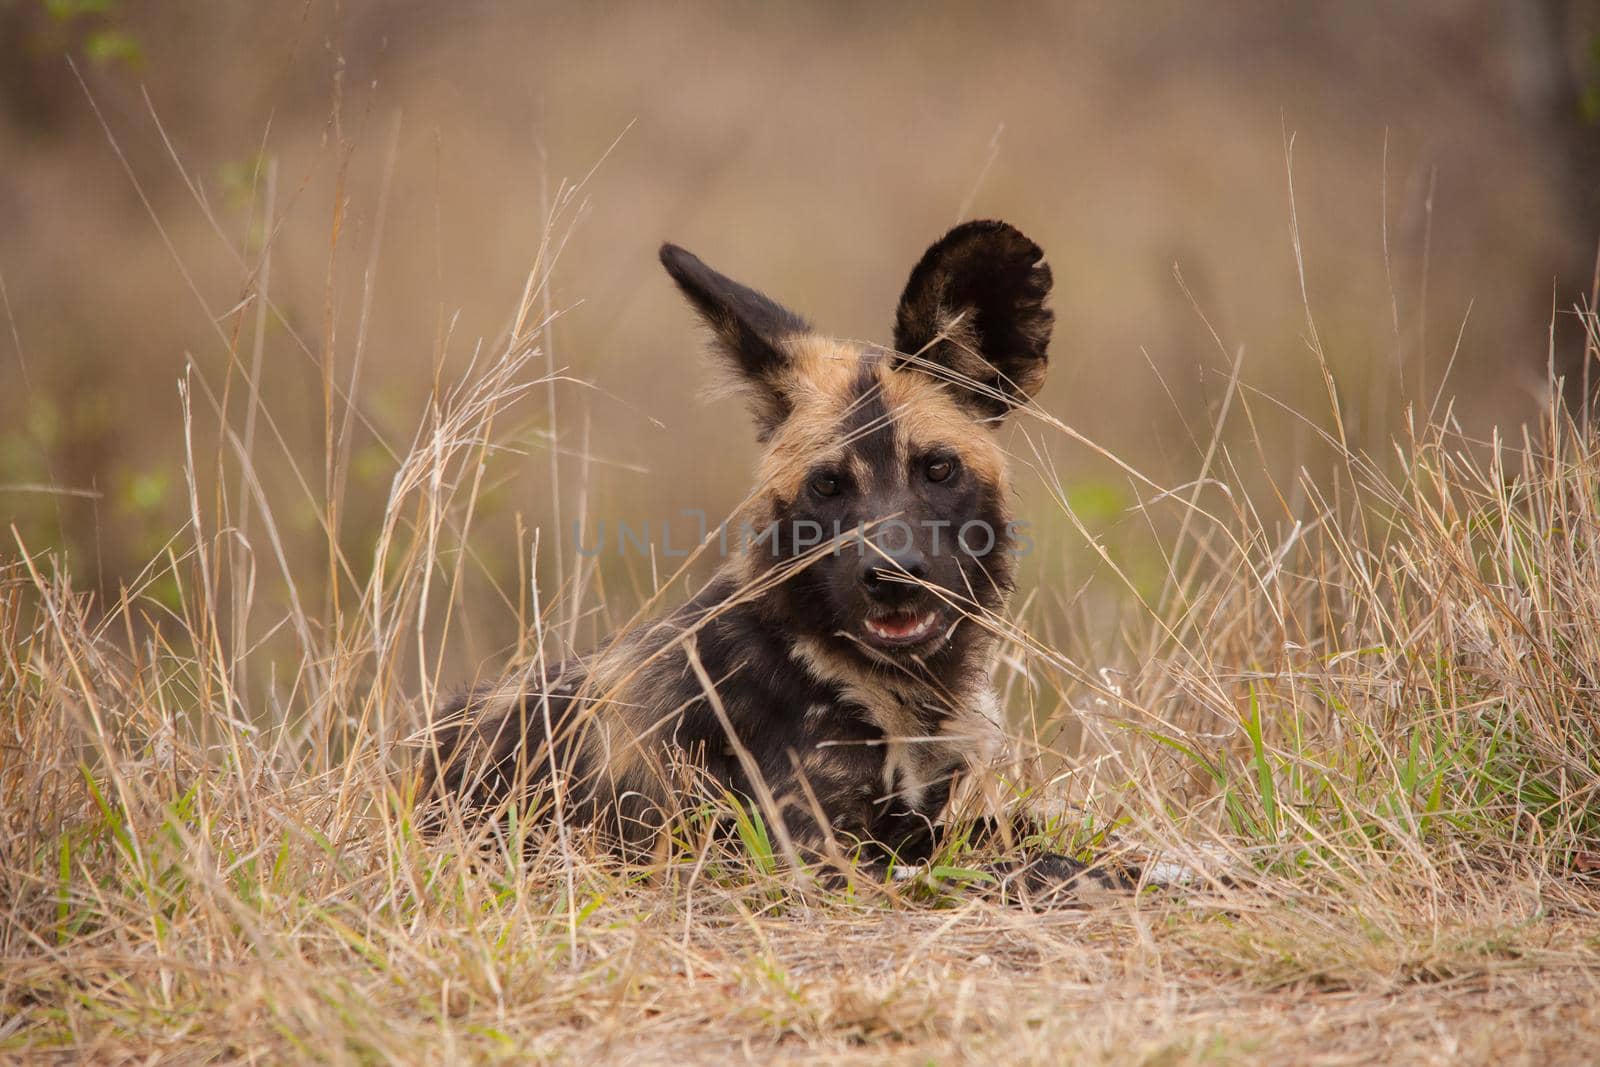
[(901, 629)]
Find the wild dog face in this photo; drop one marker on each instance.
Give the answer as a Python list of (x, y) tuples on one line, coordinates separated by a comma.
[(880, 512)]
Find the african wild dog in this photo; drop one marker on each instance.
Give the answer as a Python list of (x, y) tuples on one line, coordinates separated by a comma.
[(851, 679)]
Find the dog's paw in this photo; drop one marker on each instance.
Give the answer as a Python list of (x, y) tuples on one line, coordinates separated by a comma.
[(1050, 879)]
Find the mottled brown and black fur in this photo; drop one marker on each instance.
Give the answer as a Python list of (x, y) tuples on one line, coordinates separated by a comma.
[(845, 682)]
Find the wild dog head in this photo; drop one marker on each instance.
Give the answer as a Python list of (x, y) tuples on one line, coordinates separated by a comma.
[(879, 520)]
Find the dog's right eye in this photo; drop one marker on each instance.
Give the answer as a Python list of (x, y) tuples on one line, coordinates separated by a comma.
[(825, 485)]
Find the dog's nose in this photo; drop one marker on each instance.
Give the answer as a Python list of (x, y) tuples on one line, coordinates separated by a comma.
[(893, 575)]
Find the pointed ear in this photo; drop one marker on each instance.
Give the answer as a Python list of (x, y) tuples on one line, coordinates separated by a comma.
[(973, 314), (748, 329)]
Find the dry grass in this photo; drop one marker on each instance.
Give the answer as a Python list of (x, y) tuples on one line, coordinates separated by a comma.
[(1374, 711), (1364, 707)]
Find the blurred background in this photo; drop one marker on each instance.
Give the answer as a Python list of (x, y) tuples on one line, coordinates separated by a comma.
[(399, 160)]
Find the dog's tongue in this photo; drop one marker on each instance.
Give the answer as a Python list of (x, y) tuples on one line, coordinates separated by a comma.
[(899, 623)]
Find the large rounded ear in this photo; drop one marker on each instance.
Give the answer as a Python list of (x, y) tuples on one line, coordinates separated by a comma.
[(748, 330), (973, 314)]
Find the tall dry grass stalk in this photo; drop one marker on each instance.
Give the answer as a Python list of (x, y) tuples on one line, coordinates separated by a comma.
[(1363, 710)]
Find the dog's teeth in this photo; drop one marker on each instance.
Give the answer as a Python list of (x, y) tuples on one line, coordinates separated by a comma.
[(897, 629)]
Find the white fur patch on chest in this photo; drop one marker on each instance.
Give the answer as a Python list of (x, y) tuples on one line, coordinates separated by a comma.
[(965, 734), (916, 761)]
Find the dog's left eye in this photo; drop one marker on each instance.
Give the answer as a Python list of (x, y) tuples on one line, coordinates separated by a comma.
[(825, 485), (939, 470)]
